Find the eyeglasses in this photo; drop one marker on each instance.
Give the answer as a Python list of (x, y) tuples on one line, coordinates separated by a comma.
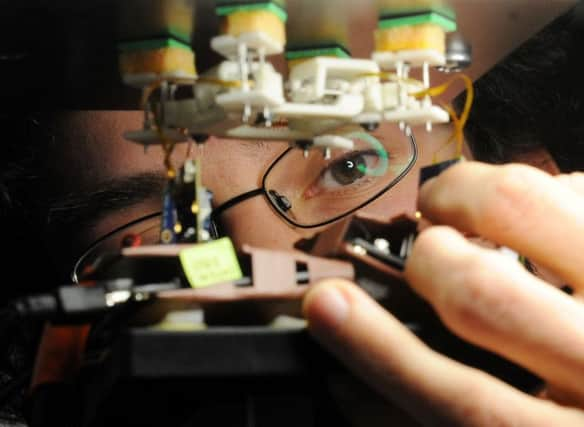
[(309, 189), (142, 231), (306, 188)]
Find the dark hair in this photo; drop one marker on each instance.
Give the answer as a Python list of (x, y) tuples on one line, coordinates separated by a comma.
[(23, 203), (26, 268), (533, 98)]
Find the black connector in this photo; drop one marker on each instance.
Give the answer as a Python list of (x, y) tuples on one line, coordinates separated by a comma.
[(67, 304), (432, 171), (388, 258), (44, 305), (72, 304), (81, 301)]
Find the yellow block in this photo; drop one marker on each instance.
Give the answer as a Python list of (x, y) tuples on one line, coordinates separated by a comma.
[(264, 21), (158, 61), (412, 37), (294, 62)]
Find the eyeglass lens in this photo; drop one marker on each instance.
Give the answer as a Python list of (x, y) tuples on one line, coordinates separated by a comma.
[(315, 189)]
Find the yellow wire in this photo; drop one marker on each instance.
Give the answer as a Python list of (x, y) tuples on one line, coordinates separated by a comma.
[(458, 122), (167, 144), (224, 83), (168, 147)]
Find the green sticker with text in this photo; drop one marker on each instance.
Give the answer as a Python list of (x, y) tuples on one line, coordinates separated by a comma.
[(210, 263)]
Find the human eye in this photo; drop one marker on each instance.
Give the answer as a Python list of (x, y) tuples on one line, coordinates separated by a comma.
[(348, 171), (320, 187)]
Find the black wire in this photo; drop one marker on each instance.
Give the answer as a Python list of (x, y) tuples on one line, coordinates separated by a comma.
[(216, 230), (234, 201), (9, 315), (363, 229), (16, 385)]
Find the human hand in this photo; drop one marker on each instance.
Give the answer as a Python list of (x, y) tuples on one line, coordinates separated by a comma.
[(482, 296)]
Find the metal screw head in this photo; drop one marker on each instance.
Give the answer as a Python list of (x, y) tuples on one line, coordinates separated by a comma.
[(458, 54), (382, 245)]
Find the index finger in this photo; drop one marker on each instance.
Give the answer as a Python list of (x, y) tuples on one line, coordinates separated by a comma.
[(432, 388), (513, 205)]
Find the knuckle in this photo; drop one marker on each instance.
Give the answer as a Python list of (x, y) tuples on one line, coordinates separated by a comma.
[(428, 239), (476, 304), (482, 406), (426, 251), (511, 200), (459, 302)]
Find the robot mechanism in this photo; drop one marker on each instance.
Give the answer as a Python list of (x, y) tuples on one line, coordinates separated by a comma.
[(144, 309)]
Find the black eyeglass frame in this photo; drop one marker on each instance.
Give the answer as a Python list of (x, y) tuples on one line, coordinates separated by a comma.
[(253, 193), (89, 250), (396, 180)]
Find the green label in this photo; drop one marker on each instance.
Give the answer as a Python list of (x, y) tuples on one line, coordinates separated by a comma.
[(210, 263)]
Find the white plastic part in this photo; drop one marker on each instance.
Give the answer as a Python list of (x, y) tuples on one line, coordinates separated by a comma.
[(267, 133), (333, 141), (227, 71), (372, 97), (394, 94), (418, 116), (326, 94), (309, 79), (344, 107), (302, 129), (256, 99), (414, 58), (267, 90), (368, 118), (227, 45)]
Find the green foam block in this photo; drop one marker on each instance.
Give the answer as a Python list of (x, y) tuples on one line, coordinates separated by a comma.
[(311, 51), (275, 8)]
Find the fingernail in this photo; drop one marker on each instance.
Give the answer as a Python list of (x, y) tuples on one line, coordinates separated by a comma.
[(326, 308)]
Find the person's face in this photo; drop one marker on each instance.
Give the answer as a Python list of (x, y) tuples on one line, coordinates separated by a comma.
[(94, 159)]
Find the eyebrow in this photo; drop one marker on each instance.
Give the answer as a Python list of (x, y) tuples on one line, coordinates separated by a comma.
[(87, 207)]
